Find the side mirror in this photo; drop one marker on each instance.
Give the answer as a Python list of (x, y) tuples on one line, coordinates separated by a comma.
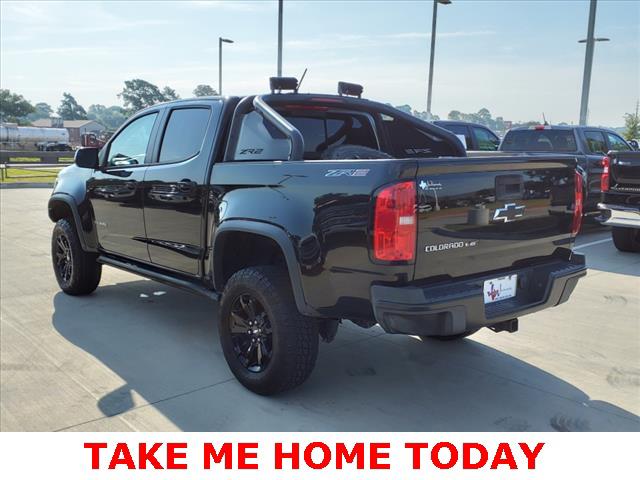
[(87, 158)]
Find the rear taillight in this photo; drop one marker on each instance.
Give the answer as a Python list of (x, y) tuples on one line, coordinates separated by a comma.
[(605, 163), (395, 223), (577, 211)]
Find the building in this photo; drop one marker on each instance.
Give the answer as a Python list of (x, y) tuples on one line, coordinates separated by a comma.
[(76, 128)]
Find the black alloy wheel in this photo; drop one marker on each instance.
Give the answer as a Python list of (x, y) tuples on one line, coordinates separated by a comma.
[(63, 258), (251, 333)]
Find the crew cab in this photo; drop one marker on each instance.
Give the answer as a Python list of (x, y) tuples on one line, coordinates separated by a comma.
[(300, 211), (620, 206), (474, 136), (589, 145)]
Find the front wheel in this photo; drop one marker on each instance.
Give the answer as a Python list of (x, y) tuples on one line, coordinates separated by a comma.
[(626, 239), (269, 346), (77, 271)]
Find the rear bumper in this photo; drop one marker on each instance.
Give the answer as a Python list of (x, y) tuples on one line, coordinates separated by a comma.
[(619, 216), (456, 307)]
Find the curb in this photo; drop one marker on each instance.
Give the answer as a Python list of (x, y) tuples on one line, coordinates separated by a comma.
[(25, 185)]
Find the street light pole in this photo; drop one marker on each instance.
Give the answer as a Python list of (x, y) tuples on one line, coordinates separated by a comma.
[(433, 49), (588, 62), (280, 2), (220, 42)]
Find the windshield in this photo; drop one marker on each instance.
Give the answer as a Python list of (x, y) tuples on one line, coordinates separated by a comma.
[(539, 141)]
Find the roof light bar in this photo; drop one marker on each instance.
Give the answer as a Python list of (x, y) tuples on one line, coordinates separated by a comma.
[(350, 89), (283, 83)]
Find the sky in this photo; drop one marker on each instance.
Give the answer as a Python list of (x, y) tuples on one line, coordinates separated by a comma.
[(516, 58)]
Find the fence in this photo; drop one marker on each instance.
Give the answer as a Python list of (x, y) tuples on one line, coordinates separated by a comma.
[(46, 163)]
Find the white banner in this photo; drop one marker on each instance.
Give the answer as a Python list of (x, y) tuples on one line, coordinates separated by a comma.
[(356, 456)]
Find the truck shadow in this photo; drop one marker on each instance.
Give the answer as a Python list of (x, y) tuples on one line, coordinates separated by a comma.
[(163, 344), (604, 256)]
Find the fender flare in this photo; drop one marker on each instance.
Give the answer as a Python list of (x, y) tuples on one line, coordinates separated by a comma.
[(283, 240), (77, 220)]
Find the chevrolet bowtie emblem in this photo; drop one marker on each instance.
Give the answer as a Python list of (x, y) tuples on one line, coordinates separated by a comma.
[(508, 213)]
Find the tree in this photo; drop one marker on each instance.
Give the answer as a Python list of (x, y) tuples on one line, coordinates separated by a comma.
[(138, 94), (169, 94), (42, 110), (632, 124), (455, 115), (204, 91), (70, 109), (404, 108), (14, 107), (111, 117)]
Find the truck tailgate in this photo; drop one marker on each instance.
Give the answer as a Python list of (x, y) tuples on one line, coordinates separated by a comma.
[(483, 214), (625, 170)]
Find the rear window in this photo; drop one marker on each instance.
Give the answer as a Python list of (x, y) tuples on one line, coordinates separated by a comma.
[(332, 130), (539, 141)]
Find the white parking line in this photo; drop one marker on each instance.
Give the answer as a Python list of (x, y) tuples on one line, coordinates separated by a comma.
[(578, 247)]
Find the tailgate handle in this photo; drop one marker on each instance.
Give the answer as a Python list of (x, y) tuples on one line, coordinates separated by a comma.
[(509, 187)]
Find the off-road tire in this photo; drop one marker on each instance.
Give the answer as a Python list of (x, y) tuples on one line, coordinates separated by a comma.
[(294, 337), (626, 239), (450, 338), (85, 273)]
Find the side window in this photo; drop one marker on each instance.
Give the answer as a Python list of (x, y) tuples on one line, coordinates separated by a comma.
[(259, 140), (617, 143), (595, 142), (184, 134), (130, 146), (486, 140)]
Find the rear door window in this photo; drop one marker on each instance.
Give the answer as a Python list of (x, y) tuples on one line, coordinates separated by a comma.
[(485, 140), (595, 141), (617, 143), (184, 134), (543, 140)]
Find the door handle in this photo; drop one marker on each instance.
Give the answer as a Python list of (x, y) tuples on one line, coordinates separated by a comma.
[(187, 185)]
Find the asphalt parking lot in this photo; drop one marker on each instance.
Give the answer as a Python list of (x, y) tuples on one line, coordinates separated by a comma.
[(138, 355)]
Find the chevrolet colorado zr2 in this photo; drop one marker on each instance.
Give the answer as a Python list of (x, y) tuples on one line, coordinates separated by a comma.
[(299, 211)]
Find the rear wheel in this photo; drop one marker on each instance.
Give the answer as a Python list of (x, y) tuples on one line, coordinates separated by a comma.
[(626, 239), (450, 338), (77, 271), (269, 346)]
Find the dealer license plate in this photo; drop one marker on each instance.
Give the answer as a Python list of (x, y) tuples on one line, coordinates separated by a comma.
[(500, 288)]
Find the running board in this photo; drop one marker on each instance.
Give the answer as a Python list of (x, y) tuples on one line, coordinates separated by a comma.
[(152, 274)]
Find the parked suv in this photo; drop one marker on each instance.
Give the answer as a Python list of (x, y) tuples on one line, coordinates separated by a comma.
[(297, 212)]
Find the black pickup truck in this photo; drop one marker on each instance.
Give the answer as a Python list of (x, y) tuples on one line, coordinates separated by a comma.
[(299, 211), (620, 207), (589, 145)]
